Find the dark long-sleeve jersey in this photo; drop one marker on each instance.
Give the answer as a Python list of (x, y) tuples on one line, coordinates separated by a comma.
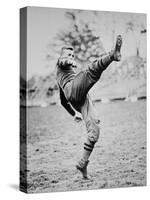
[(90, 76), (64, 75), (65, 103)]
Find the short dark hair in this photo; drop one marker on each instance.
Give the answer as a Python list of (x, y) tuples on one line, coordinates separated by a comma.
[(66, 48)]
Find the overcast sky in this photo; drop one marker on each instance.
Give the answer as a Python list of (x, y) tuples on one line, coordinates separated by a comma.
[(43, 23)]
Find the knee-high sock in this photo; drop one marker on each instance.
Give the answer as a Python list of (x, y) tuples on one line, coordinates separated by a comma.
[(88, 148)]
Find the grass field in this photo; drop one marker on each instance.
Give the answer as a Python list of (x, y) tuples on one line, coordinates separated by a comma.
[(55, 144)]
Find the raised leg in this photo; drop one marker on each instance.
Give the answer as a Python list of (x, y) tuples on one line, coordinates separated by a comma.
[(85, 80), (96, 69)]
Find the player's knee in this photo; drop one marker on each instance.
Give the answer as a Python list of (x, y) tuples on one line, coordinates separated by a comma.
[(93, 135)]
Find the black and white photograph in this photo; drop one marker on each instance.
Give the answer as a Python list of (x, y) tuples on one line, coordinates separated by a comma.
[(83, 82)]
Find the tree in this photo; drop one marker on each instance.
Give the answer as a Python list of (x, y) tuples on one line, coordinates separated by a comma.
[(137, 28), (82, 36)]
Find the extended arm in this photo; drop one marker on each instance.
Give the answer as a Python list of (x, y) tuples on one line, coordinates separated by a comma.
[(65, 103)]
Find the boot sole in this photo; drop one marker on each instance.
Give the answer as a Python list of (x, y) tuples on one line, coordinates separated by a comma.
[(118, 47), (118, 43)]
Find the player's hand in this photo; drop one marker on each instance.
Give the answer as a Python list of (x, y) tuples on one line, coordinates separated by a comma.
[(77, 118), (71, 62), (66, 62), (62, 61), (74, 64)]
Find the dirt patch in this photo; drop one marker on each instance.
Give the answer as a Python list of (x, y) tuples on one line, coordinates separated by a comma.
[(55, 144)]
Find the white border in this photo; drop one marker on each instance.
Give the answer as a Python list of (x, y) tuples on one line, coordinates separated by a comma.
[(9, 98)]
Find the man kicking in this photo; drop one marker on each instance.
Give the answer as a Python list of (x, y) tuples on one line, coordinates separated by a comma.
[(74, 95)]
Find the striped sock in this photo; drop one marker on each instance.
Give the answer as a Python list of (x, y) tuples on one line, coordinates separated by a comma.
[(88, 148)]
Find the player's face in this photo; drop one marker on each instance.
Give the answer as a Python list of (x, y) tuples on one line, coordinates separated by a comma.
[(68, 54)]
